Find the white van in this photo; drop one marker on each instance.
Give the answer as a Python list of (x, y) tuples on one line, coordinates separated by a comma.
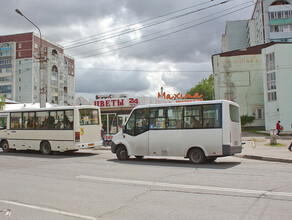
[(200, 131)]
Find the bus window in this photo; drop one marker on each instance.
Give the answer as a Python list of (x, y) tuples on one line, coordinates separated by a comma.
[(28, 120), (174, 117), (88, 117), (142, 125), (3, 123), (121, 121), (193, 116), (42, 119), (16, 121), (130, 126), (68, 119), (212, 116), (157, 118), (234, 113), (52, 120)]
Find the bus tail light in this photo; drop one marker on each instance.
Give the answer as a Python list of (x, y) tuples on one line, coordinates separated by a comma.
[(77, 136)]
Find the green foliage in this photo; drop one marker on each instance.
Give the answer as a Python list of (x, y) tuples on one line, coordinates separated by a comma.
[(246, 120), (2, 102), (205, 88)]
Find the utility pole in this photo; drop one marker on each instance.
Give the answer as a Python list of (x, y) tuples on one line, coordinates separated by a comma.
[(42, 94)]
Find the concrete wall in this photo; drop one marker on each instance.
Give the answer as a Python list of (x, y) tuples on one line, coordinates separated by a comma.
[(235, 36), (239, 78)]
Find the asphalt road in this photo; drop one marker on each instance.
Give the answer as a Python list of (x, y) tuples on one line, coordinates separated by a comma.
[(95, 185)]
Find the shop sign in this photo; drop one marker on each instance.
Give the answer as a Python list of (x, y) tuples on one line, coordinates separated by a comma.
[(107, 103), (177, 96)]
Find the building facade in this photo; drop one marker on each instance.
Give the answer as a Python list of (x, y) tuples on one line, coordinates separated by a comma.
[(258, 79), (20, 70), (273, 22), (277, 80)]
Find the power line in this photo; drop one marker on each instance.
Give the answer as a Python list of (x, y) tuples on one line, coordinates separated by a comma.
[(146, 26), (167, 34), (139, 22), (145, 36)]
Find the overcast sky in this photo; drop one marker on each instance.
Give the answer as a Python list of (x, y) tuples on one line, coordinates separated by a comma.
[(128, 46)]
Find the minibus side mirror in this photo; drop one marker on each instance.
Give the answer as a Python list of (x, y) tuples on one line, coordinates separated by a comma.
[(124, 128)]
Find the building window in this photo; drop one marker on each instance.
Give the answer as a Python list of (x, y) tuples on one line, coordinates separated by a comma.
[(19, 54), (19, 45), (36, 45), (259, 113), (271, 77)]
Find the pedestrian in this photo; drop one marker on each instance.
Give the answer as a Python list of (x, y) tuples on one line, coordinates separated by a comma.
[(102, 136), (278, 127)]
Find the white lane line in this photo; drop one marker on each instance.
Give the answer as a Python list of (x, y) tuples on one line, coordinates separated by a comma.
[(48, 210), (182, 186)]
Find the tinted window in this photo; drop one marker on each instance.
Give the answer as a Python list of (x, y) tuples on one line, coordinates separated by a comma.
[(234, 113)]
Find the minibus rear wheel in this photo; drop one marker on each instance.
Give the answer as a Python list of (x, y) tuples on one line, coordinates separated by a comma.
[(197, 156), (122, 153), (46, 148)]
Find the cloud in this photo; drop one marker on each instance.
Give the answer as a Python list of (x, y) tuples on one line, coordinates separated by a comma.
[(163, 60)]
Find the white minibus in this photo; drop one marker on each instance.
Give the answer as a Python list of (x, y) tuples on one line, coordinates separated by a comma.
[(200, 131), (52, 129)]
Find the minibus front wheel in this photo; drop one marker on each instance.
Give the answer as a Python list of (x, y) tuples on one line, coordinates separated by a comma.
[(122, 153), (5, 146), (197, 156)]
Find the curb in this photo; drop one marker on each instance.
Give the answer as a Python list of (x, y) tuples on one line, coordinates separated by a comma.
[(271, 159)]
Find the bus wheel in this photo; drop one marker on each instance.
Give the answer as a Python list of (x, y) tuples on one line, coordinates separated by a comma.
[(122, 153), (139, 157), (197, 156), (46, 148), (5, 146)]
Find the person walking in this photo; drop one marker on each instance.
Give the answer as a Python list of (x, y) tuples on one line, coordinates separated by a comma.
[(278, 127)]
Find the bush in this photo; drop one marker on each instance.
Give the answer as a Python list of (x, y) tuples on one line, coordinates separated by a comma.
[(246, 120)]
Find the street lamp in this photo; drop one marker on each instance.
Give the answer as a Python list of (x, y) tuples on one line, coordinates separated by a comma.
[(42, 89)]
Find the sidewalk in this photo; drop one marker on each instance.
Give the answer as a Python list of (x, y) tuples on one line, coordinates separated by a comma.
[(258, 147)]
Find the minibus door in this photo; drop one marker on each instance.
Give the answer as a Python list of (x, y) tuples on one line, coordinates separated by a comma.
[(3, 127), (136, 132)]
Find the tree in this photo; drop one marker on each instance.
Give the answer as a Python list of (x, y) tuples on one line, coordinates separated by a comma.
[(205, 87), (2, 102)]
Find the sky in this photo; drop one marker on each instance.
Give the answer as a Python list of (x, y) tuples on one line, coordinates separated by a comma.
[(131, 47)]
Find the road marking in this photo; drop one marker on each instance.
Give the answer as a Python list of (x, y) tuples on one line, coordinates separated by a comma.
[(48, 210), (182, 186)]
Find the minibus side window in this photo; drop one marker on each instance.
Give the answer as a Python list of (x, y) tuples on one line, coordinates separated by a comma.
[(157, 118), (130, 126), (142, 121)]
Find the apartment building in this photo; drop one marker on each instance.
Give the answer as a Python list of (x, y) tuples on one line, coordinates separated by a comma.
[(20, 70)]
